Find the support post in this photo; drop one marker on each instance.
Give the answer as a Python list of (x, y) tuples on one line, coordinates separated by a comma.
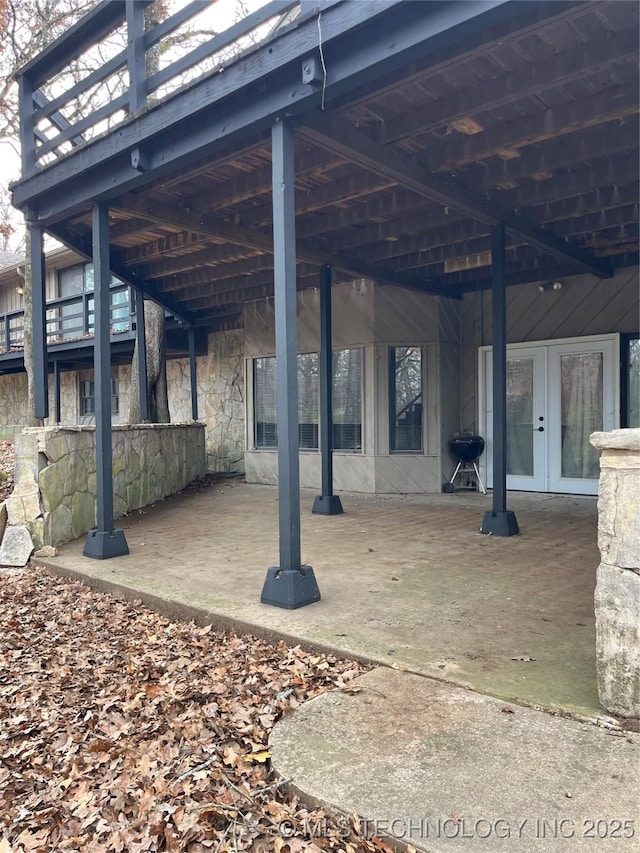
[(193, 374), (103, 541), (326, 503), (56, 391), (39, 321), (289, 585), (141, 354), (499, 521)]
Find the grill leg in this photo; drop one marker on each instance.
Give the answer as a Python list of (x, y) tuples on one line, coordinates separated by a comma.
[(480, 483), (455, 473)]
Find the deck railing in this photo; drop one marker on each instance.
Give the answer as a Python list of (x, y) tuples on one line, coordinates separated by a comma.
[(70, 318), (63, 107)]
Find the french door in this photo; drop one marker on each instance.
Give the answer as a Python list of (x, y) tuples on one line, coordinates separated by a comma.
[(558, 393)]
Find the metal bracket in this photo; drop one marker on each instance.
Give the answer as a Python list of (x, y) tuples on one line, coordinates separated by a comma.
[(312, 73)]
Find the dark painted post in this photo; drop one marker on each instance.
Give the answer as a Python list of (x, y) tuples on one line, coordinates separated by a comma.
[(56, 390), (193, 374), (103, 541), (500, 521), (136, 64), (141, 355), (327, 503), (39, 321), (27, 130), (289, 585)]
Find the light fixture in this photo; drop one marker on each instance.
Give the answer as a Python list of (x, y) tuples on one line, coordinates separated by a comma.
[(19, 290), (557, 285)]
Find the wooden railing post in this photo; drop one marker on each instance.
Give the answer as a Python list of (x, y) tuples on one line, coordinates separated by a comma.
[(136, 56)]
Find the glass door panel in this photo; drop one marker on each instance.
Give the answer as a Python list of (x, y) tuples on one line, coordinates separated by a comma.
[(526, 447), (582, 400), (520, 416), (581, 391)]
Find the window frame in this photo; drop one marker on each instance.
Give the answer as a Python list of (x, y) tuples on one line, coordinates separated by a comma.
[(115, 396)]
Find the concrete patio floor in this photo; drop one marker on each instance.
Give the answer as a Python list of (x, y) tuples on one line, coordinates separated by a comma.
[(406, 581)]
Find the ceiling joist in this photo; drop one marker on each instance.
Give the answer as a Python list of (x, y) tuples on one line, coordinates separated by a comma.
[(337, 135)]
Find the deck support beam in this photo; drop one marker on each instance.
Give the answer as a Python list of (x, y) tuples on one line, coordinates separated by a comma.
[(289, 585), (499, 521), (326, 503), (103, 541)]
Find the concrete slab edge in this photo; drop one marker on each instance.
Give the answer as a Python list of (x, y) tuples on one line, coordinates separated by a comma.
[(178, 611), (181, 612)]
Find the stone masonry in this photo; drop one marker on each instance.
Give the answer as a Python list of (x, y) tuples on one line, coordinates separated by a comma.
[(617, 596), (55, 476)]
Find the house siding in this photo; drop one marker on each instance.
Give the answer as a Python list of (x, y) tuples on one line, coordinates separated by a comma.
[(584, 306)]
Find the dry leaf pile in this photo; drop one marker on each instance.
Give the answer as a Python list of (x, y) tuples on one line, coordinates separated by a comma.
[(6, 468), (122, 731)]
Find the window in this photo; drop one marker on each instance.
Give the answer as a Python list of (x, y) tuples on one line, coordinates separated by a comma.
[(347, 399), (264, 403), (308, 400), (630, 385), (264, 385), (88, 397), (405, 398), (73, 322)]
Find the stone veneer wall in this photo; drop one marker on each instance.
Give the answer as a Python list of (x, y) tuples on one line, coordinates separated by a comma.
[(55, 477), (617, 596), (220, 379)]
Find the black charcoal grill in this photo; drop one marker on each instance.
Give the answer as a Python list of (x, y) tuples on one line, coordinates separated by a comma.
[(467, 448)]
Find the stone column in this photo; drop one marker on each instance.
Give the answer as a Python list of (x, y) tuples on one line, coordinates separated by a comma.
[(617, 596)]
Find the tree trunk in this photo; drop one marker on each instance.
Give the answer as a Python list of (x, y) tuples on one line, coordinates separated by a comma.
[(28, 335), (156, 369), (153, 313)]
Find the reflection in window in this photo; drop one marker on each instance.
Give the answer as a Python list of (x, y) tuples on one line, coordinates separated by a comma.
[(347, 399), (520, 416), (308, 400), (582, 401), (77, 315), (264, 403), (405, 396)]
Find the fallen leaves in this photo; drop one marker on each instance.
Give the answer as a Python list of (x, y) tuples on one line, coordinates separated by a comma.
[(122, 731)]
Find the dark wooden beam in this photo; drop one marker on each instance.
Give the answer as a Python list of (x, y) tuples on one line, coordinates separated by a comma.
[(611, 104), (561, 153), (617, 170), (191, 126), (514, 85), (336, 135), (256, 239)]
